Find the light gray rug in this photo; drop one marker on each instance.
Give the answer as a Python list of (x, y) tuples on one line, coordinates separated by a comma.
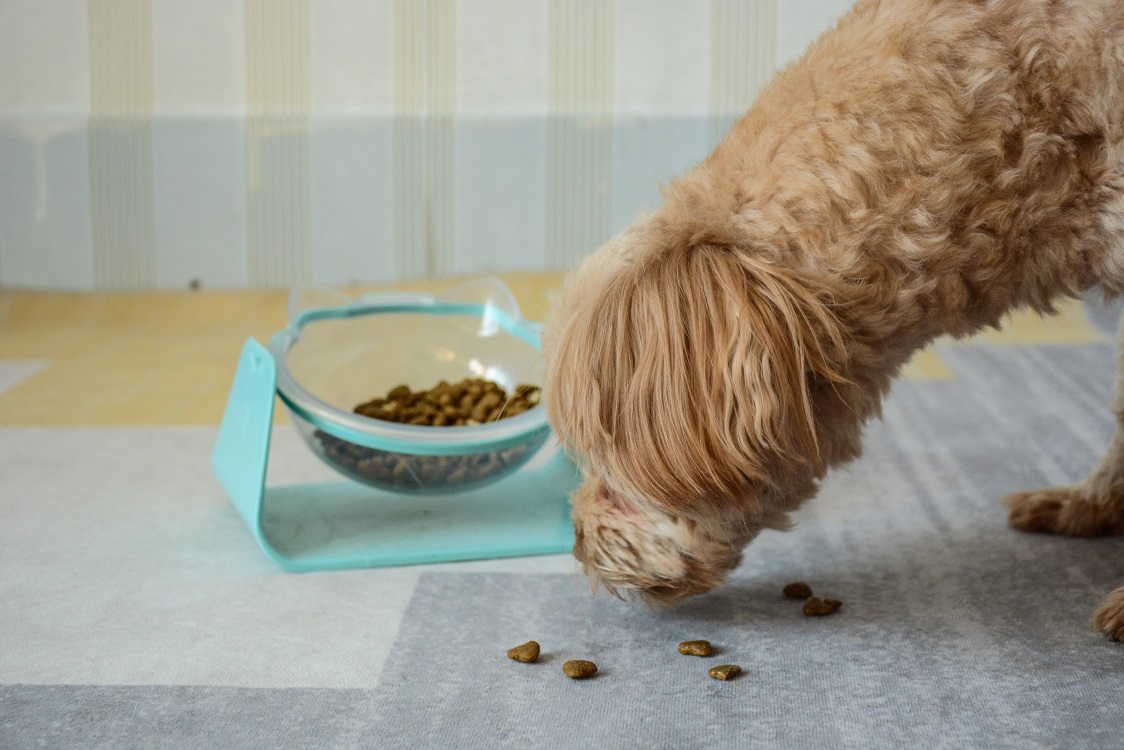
[(956, 630)]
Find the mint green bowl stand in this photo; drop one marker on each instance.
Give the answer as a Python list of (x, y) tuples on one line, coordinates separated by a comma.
[(339, 525)]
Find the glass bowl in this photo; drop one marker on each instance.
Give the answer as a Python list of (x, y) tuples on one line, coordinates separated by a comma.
[(338, 352)]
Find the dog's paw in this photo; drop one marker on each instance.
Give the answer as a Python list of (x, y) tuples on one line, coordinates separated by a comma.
[(1063, 510), (1109, 617)]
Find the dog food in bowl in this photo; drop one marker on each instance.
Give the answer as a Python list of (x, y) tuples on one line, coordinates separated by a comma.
[(468, 402)]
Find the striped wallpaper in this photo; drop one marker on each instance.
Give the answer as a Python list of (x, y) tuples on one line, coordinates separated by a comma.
[(265, 143)]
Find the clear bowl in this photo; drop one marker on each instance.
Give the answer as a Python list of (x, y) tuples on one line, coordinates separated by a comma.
[(338, 352)]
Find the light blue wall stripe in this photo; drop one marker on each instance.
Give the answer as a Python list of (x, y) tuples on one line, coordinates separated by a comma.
[(500, 183), (352, 182), (120, 144), (410, 199), (199, 166), (441, 95), (579, 131), (46, 226), (277, 142)]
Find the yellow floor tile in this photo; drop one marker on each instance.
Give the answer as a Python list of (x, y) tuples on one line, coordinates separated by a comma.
[(927, 365), (167, 358), (1069, 326), (164, 358)]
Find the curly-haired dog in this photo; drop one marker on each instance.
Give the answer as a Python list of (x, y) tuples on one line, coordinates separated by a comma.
[(926, 167)]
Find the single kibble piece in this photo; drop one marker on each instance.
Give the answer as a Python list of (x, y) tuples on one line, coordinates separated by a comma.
[(695, 648), (579, 669), (526, 653), (833, 603), (816, 607), (798, 590), (725, 672)]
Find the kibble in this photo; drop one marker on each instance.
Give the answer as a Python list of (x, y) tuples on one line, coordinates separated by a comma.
[(695, 648), (469, 402), (725, 672), (816, 607), (798, 590), (579, 669), (833, 603), (474, 399), (527, 653)]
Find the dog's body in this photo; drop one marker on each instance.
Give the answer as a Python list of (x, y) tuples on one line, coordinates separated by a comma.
[(927, 167)]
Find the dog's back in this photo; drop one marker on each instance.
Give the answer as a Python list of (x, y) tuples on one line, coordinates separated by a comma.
[(948, 140)]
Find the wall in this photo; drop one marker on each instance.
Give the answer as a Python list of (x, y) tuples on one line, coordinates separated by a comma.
[(230, 143)]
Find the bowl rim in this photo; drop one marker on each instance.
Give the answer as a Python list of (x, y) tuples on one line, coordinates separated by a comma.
[(393, 436)]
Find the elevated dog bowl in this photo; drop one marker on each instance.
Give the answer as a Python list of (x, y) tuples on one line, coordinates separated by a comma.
[(406, 501)]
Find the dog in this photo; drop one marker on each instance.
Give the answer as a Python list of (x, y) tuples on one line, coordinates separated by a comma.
[(925, 168)]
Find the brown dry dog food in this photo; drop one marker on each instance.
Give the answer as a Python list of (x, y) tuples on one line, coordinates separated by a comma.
[(695, 648), (725, 672), (833, 603), (815, 607), (470, 402), (798, 590), (579, 669), (526, 653)]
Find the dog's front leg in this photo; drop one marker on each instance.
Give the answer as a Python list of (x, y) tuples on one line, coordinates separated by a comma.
[(1094, 507)]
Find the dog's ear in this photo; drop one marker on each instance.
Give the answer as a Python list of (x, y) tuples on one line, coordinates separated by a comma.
[(690, 375)]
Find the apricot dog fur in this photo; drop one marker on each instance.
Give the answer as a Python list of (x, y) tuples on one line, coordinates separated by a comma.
[(927, 167)]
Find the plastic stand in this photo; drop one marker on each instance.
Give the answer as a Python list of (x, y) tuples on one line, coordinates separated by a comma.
[(341, 525)]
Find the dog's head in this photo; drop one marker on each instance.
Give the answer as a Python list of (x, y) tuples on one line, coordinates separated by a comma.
[(683, 370)]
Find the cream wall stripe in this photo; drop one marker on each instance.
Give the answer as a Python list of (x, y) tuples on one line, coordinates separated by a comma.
[(742, 54), (44, 58), (352, 53), (579, 130), (120, 144), (277, 148), (199, 60), (409, 138), (425, 94), (441, 102)]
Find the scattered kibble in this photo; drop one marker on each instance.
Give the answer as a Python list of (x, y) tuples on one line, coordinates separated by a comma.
[(527, 653), (579, 669), (695, 648), (725, 672), (816, 607), (798, 590)]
